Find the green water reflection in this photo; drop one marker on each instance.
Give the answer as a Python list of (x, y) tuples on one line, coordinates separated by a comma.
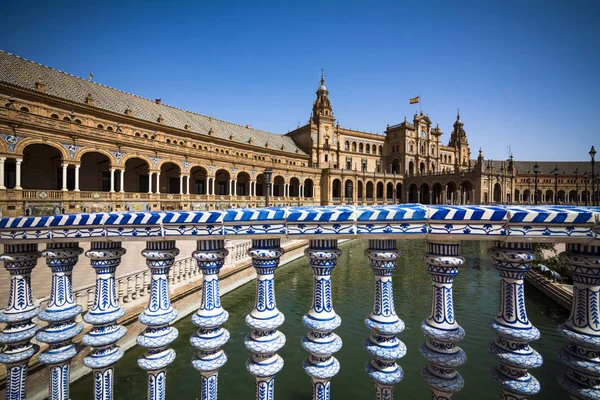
[(476, 301)]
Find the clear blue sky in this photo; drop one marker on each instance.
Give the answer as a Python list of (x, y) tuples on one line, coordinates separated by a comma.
[(523, 73)]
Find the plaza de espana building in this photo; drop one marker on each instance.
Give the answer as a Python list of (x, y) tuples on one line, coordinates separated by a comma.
[(71, 145)]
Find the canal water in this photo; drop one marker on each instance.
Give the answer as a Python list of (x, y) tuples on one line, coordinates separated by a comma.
[(476, 301)]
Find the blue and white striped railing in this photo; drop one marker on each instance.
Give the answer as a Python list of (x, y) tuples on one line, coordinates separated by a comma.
[(512, 229)]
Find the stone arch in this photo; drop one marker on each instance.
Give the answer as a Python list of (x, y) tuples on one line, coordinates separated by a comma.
[(129, 156), (359, 190), (309, 187), (380, 191), (222, 178), (164, 161), (169, 179), (389, 191), (349, 191), (369, 190), (497, 193), (20, 146), (451, 193), (467, 189), (41, 168), (94, 173), (396, 166), (242, 183), (198, 176), (136, 174), (84, 150), (336, 189), (277, 185), (294, 188), (398, 193)]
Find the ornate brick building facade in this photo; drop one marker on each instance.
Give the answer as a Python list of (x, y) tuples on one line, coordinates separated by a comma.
[(72, 145)]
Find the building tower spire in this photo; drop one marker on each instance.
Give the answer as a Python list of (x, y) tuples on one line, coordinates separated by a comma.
[(322, 105)]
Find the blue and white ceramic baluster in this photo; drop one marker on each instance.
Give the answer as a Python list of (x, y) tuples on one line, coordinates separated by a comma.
[(321, 319), (158, 316), (210, 336), (514, 330), (582, 330), (265, 340), (19, 260), (105, 257), (383, 345), (440, 350), (60, 315)]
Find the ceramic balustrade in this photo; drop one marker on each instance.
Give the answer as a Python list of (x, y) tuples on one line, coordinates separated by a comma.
[(261, 234)]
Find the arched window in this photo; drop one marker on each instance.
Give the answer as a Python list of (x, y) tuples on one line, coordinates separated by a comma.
[(145, 136), (168, 141), (55, 116), (24, 109), (368, 148), (360, 148), (78, 121), (347, 146), (137, 134), (100, 126), (353, 146), (67, 119), (380, 150), (109, 128)]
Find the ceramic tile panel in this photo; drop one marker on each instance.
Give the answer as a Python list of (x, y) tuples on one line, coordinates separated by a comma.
[(392, 219), (193, 223), (467, 220), (255, 221), (322, 220)]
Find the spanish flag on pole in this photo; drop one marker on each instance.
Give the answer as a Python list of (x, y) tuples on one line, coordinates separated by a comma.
[(415, 100)]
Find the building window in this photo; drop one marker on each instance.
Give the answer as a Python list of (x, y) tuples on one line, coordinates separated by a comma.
[(354, 146), (326, 158), (347, 146), (378, 166)]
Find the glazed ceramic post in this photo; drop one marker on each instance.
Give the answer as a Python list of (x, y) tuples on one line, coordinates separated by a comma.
[(440, 349), (60, 315), (105, 257), (210, 336), (19, 260), (582, 330), (265, 340), (512, 325), (159, 256), (383, 345), (321, 319)]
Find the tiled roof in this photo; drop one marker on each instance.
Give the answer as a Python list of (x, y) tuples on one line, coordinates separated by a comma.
[(23, 73), (547, 167)]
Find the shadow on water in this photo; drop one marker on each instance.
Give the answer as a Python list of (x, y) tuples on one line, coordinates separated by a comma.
[(476, 301)]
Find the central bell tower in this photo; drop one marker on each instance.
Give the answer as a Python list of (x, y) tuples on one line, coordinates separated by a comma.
[(323, 136)]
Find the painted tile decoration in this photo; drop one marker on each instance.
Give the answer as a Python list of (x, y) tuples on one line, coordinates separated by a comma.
[(392, 219), (542, 222)]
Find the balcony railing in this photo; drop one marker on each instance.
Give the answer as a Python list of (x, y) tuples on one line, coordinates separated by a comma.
[(511, 229)]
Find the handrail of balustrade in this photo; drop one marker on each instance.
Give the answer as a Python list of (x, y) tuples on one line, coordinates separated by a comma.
[(444, 222)]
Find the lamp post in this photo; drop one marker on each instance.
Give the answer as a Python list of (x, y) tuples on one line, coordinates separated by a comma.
[(348, 192), (577, 186), (268, 174), (462, 187), (593, 155), (585, 179), (536, 171), (556, 172), (597, 190)]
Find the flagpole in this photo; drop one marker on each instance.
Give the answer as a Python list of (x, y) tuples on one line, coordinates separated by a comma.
[(420, 103)]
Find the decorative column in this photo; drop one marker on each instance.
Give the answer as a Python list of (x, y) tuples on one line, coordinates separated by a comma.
[(234, 187), (157, 183), (210, 336), (157, 317), (181, 184), (321, 319), (440, 349), (60, 315), (383, 345), (105, 257), (206, 186), (150, 182), (77, 178), (582, 330), (122, 182), (2, 159), (19, 260), (265, 340), (18, 162), (511, 348), (212, 191), (64, 177), (112, 180), (187, 186)]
